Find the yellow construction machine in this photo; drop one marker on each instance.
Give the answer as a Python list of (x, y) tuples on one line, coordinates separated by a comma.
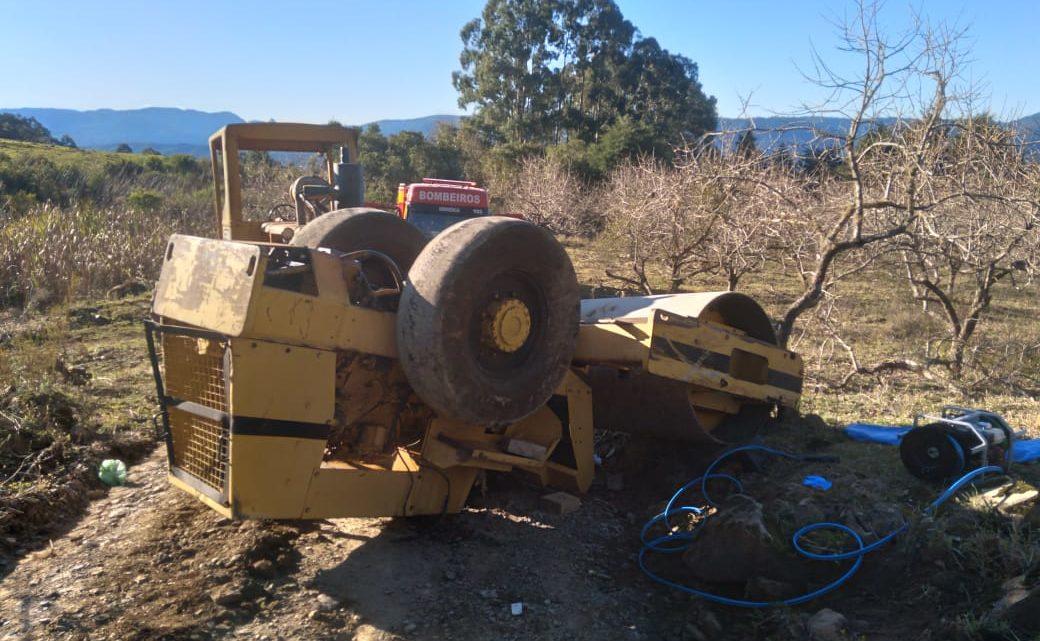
[(362, 370)]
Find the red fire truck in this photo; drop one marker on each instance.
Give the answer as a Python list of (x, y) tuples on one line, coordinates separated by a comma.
[(435, 203)]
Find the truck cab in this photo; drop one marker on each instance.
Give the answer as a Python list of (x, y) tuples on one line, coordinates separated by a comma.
[(435, 204)]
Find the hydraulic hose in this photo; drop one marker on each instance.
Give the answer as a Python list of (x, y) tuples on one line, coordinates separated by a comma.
[(673, 542)]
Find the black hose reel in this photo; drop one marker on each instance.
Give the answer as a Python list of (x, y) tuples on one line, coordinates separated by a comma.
[(961, 439)]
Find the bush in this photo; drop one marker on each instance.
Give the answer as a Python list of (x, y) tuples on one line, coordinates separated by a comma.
[(144, 200), (547, 193)]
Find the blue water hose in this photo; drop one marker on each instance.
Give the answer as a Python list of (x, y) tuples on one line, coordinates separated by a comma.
[(673, 542)]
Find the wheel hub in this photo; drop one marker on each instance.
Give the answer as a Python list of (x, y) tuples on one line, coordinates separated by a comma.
[(507, 325)]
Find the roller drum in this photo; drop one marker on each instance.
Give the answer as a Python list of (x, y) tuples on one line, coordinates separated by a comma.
[(636, 402), (629, 399)]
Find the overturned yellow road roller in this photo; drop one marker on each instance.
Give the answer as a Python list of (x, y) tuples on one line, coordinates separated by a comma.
[(378, 376)]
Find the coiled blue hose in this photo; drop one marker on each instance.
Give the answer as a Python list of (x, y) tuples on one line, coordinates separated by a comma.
[(675, 542)]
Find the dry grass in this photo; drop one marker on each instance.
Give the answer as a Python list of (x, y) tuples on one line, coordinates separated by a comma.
[(52, 255)]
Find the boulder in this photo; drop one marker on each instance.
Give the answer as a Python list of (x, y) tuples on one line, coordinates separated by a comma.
[(827, 625), (733, 545)]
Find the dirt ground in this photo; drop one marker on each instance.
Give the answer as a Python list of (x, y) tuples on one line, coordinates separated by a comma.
[(146, 562)]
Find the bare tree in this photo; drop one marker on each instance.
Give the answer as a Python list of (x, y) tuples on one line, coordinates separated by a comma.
[(882, 187), (663, 217), (708, 213), (981, 234), (546, 193), (744, 240)]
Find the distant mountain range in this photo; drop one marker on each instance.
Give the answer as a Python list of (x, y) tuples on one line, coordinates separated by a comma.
[(425, 125), (801, 131), (170, 130), (165, 129)]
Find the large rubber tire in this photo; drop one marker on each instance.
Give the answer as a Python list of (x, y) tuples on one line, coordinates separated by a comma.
[(359, 228), (441, 319)]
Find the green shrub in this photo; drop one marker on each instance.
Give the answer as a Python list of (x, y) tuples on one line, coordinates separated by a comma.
[(145, 200)]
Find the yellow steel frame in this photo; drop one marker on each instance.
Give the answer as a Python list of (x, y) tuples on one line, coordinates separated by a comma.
[(281, 380), (286, 477), (225, 145)]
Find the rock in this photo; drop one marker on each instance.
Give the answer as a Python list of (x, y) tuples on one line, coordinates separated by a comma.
[(236, 592), (263, 567), (129, 288), (760, 588), (559, 503), (327, 603), (806, 512), (1024, 616), (615, 482), (219, 577), (410, 627), (709, 623), (489, 594), (816, 422), (947, 580), (227, 595), (733, 544), (366, 632), (1014, 591), (84, 316), (1006, 496), (693, 633), (879, 521), (1032, 517), (827, 625)]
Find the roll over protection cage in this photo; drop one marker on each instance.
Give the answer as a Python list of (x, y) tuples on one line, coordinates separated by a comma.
[(338, 144)]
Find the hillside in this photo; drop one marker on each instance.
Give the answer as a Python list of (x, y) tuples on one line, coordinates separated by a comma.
[(145, 561), (171, 130), (425, 125), (166, 129), (789, 131)]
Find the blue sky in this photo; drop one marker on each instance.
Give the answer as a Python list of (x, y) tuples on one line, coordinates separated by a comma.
[(361, 60)]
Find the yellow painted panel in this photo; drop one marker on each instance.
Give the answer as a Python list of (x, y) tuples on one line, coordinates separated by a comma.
[(270, 475), (542, 428), (407, 489), (276, 381), (715, 338), (319, 322), (609, 343), (712, 379), (208, 283), (337, 492), (709, 345)]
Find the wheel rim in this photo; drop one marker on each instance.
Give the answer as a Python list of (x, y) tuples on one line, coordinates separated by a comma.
[(510, 299), (507, 325)]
